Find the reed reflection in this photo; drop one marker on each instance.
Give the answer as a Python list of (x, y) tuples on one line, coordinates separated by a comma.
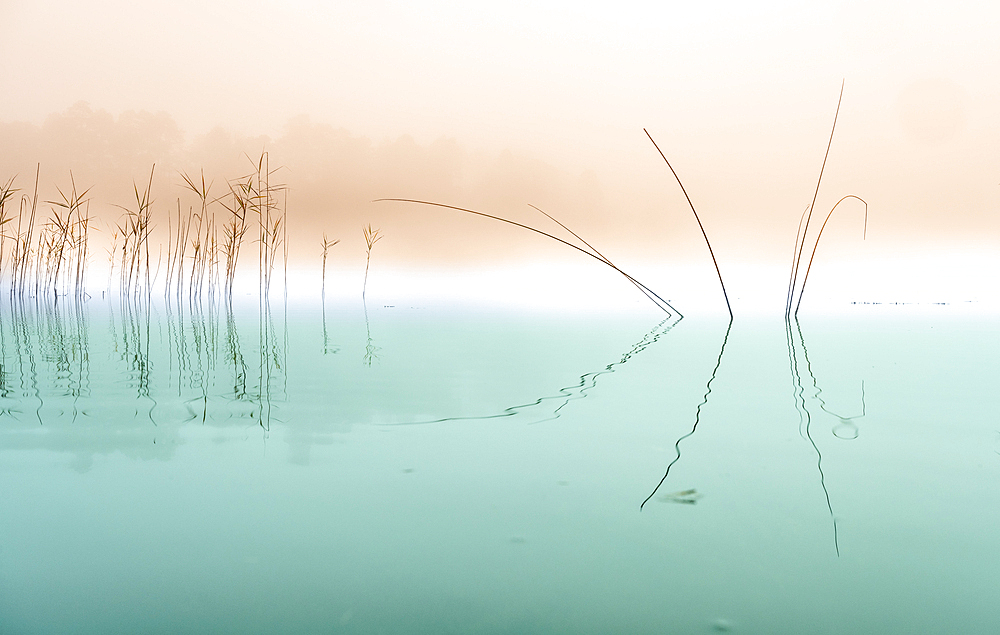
[(45, 352), (165, 369), (273, 381), (690, 496), (846, 428), (371, 351), (193, 342), (328, 348), (234, 357), (134, 327), (563, 396)]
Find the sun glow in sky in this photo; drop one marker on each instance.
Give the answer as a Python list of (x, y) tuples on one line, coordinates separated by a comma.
[(501, 105)]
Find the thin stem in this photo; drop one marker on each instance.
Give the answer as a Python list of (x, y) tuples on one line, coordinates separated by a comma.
[(816, 244), (665, 306), (812, 205), (700, 226)]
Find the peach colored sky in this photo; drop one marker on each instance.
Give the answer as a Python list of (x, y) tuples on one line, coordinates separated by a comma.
[(500, 106)]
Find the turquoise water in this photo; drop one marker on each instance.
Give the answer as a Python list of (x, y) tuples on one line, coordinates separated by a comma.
[(421, 470)]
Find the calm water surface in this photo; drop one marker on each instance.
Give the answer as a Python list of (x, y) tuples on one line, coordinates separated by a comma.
[(392, 469)]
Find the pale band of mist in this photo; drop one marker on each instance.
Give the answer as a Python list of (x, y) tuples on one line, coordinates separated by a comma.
[(494, 110)]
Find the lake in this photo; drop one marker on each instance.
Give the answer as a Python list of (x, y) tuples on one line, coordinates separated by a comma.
[(188, 468)]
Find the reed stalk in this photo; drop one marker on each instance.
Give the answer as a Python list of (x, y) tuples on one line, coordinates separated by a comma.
[(819, 235), (793, 278), (255, 195), (21, 258), (654, 297), (180, 247), (63, 241), (700, 226), (111, 256), (203, 242), (270, 223), (7, 192), (642, 288), (372, 236), (795, 290), (135, 229), (327, 243), (235, 229)]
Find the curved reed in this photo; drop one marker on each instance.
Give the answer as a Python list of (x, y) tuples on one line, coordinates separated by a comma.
[(812, 256), (656, 299), (700, 226)]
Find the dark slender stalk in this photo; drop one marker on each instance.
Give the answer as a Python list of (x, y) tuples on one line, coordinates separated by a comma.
[(660, 302), (700, 226), (25, 250), (805, 230), (580, 390), (646, 292), (7, 192), (327, 243), (799, 238), (372, 236), (805, 417), (697, 415), (816, 244)]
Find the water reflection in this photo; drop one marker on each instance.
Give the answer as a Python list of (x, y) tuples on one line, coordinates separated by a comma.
[(563, 396), (132, 340), (273, 379), (845, 428), (193, 350), (158, 370), (44, 350), (694, 428), (548, 510), (328, 348), (371, 351)]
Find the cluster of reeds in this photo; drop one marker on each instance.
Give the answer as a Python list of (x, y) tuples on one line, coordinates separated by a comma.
[(198, 231), (55, 259), (255, 195), (238, 205), (7, 195), (134, 229), (20, 258), (49, 255), (795, 288), (62, 252), (40, 255)]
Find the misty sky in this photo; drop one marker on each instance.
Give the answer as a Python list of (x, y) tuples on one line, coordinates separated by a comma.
[(740, 97)]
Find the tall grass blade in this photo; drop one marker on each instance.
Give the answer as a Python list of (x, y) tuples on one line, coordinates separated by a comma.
[(805, 229), (816, 244), (656, 299), (700, 226)]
